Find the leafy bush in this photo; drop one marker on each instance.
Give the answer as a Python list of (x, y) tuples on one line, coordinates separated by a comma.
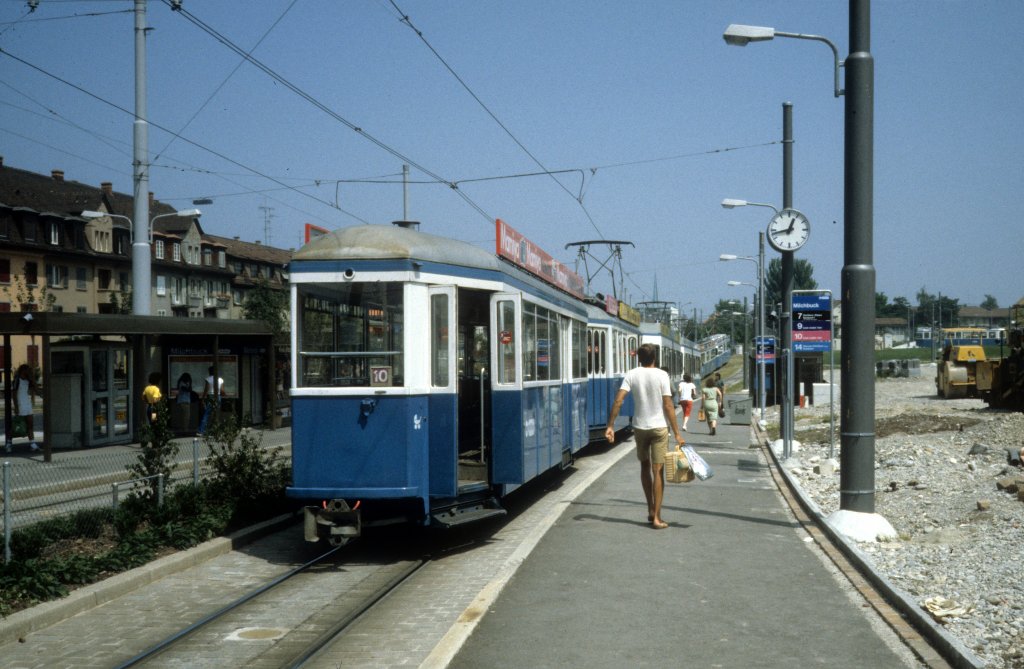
[(243, 470), (158, 452), (51, 557)]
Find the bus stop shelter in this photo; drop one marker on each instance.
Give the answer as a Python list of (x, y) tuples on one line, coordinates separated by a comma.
[(94, 367)]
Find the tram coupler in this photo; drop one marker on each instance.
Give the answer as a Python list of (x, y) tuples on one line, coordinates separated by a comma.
[(335, 521)]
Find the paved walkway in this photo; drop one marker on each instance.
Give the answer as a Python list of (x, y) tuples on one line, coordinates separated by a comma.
[(732, 582)]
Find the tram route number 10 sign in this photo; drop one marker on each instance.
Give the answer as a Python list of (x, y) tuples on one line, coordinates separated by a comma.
[(812, 323), (380, 375)]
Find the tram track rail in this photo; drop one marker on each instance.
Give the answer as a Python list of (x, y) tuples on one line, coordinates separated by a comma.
[(311, 635)]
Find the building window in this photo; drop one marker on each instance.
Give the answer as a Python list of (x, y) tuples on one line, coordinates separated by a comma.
[(236, 267), (123, 280), (5, 307), (178, 296), (57, 276), (103, 278), (4, 229), (81, 310), (158, 249), (81, 278), (207, 257), (31, 274), (177, 252), (5, 270), (237, 297), (222, 259), (30, 231), (161, 312), (161, 285)]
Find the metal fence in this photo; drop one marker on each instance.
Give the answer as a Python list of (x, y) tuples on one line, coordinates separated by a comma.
[(78, 480)]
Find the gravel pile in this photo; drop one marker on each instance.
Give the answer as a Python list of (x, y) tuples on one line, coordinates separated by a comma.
[(938, 467)]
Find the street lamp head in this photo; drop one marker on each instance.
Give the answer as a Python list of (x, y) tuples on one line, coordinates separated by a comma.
[(740, 35), (728, 256), (729, 203), (735, 283), (189, 213), (92, 214)]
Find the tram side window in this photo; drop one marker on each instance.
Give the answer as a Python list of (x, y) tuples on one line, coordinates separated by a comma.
[(590, 349), (632, 353), (579, 349), (350, 334), (506, 342), (529, 342), (439, 341), (541, 344)]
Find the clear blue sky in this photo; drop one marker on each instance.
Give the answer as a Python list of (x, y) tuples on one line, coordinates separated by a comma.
[(642, 98)]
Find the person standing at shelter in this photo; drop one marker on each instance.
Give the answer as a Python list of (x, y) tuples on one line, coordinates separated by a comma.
[(687, 394), (653, 413), (213, 393), (151, 394), (25, 390), (712, 398)]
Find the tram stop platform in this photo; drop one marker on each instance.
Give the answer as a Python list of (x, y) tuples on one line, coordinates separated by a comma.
[(734, 581)]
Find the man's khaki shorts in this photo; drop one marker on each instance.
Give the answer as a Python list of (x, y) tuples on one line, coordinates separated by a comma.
[(651, 444)]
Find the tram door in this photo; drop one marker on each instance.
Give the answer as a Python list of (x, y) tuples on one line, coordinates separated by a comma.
[(474, 394), (108, 396)]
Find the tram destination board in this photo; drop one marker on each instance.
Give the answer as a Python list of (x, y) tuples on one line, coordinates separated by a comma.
[(812, 323)]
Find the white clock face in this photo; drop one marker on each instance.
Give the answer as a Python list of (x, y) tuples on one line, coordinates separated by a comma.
[(788, 230)]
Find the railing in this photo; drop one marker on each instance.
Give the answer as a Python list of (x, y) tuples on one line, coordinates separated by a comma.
[(78, 480)]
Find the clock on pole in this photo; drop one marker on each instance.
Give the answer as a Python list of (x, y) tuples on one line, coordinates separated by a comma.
[(788, 230)]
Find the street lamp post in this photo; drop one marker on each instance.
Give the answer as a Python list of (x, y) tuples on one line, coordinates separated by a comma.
[(857, 476), (759, 262)]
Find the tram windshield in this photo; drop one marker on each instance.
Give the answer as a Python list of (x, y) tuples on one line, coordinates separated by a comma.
[(350, 334)]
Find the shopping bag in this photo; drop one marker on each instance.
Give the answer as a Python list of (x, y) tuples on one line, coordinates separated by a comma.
[(677, 467), (19, 428), (721, 412), (698, 464), (701, 416)]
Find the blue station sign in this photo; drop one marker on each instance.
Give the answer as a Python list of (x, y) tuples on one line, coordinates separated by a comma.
[(812, 323)]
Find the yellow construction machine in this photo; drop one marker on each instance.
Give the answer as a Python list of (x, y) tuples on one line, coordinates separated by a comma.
[(957, 375)]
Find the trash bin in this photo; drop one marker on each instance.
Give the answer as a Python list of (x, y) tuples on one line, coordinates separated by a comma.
[(737, 410)]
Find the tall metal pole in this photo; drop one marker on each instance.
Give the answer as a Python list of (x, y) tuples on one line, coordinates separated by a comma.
[(786, 426), (141, 259), (405, 192), (857, 425), (746, 346), (760, 279)]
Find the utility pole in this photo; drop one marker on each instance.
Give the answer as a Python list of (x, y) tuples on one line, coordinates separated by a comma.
[(141, 259), (268, 213), (786, 427)]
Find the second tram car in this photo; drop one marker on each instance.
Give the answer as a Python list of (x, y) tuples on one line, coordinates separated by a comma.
[(613, 336)]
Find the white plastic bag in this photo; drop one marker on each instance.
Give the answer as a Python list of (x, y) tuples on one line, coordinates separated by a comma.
[(698, 464)]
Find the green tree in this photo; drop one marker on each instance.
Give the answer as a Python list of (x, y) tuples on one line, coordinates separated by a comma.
[(270, 305), (989, 303), (940, 309), (121, 302), (29, 298), (803, 279)]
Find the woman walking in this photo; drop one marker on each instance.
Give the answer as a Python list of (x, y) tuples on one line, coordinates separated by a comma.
[(712, 397)]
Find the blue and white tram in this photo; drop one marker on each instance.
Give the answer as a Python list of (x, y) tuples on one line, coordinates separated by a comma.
[(429, 378), (611, 352)]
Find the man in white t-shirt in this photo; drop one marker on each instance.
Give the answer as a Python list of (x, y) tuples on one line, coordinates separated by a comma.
[(653, 413)]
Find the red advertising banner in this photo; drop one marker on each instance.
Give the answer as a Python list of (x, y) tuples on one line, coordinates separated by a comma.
[(611, 305), (314, 232), (519, 250)]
